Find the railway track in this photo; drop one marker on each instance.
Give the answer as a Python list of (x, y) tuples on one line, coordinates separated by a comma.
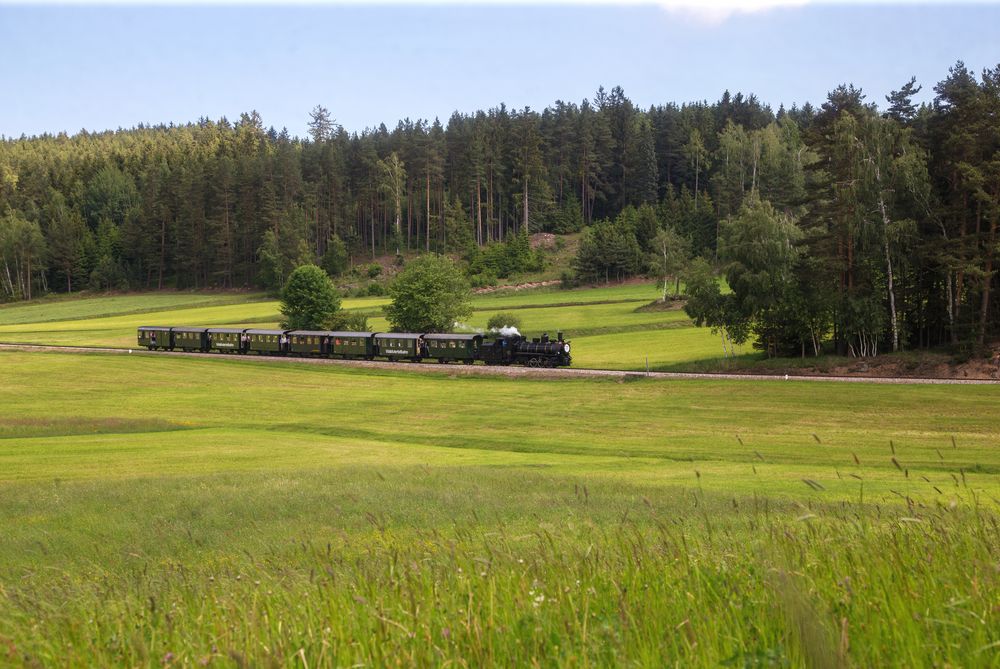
[(454, 370)]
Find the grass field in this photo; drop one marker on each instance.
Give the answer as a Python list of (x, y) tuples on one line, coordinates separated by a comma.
[(186, 512), (603, 322)]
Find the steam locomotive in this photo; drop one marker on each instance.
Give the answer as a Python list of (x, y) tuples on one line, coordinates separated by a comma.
[(493, 349)]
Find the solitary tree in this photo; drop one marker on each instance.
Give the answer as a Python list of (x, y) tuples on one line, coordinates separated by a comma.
[(429, 295), (309, 299), (321, 125)]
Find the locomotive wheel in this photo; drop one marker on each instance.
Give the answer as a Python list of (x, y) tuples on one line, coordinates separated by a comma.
[(533, 362)]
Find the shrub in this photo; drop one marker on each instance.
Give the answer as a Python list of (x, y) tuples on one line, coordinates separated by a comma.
[(375, 289), (567, 280), (351, 321), (502, 320), (483, 280)]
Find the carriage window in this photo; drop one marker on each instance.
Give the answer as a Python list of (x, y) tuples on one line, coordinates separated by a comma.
[(451, 344)]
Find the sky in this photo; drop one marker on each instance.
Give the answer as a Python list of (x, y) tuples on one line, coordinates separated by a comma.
[(71, 67)]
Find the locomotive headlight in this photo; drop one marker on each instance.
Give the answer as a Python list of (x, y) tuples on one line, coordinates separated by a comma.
[(566, 348)]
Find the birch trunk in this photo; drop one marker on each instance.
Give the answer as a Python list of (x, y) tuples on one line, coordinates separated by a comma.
[(525, 221), (888, 268)]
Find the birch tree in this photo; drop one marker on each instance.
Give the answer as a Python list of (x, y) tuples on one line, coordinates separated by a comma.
[(392, 181)]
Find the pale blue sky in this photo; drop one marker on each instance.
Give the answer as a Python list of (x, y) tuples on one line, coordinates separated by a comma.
[(73, 67)]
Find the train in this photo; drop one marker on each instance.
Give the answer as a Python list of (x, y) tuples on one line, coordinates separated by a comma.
[(491, 349)]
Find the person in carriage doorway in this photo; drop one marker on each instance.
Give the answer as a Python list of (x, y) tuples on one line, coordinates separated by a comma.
[(422, 349), (152, 339)]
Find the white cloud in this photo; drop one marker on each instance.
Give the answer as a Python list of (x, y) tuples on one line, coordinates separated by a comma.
[(714, 12)]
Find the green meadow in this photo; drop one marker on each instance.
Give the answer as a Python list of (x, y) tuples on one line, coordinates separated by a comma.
[(607, 325), (162, 511)]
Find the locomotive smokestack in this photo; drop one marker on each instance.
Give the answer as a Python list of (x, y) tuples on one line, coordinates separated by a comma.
[(559, 336)]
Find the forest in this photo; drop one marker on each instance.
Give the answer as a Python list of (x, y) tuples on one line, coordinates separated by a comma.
[(863, 226)]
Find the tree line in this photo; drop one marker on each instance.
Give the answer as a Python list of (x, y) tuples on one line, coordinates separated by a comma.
[(878, 225)]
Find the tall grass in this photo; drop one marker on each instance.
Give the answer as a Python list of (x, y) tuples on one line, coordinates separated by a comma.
[(185, 512), (597, 577)]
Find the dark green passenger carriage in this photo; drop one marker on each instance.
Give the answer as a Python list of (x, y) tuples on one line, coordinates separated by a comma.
[(226, 340), (266, 342), (454, 347), (154, 337), (352, 344), (190, 338), (308, 342), (399, 345)]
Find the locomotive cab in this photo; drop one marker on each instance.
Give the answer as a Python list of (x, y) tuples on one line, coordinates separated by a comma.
[(519, 350)]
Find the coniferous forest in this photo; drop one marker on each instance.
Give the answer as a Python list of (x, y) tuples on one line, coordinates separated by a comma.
[(866, 222)]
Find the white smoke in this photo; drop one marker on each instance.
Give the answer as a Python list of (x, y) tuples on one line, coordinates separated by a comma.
[(465, 327), (507, 331)]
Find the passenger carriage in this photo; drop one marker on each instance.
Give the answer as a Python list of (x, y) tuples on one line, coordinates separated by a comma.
[(399, 345), (352, 345), (189, 338), (454, 347), (154, 337), (226, 340), (308, 342), (265, 342)]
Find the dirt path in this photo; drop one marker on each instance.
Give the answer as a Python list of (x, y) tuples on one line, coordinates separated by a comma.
[(464, 370)]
